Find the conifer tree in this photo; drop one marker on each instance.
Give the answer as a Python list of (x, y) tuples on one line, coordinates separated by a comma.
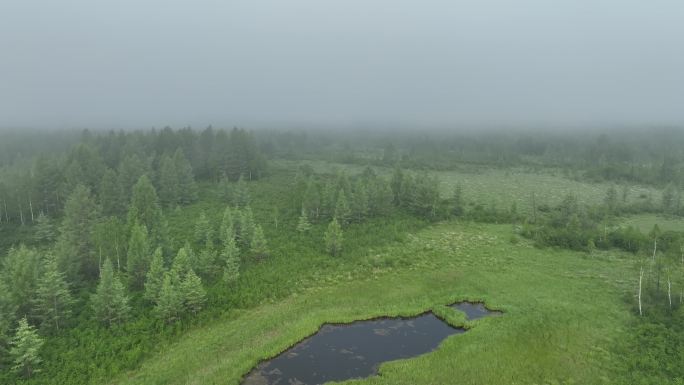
[(258, 246), (203, 230), (20, 273), (206, 260), (312, 200), (110, 302), (225, 189), (131, 169), (155, 276), (45, 231), (137, 261), (169, 302), (245, 230), (241, 196), (145, 209), (53, 300), (342, 211), (168, 182), (182, 262), (75, 247), (112, 197), (25, 348), (192, 292), (187, 188), (360, 202), (230, 257), (303, 224), (227, 228), (7, 313), (333, 238)]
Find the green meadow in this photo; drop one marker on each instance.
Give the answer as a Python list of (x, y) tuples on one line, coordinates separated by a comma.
[(503, 187), (565, 314)]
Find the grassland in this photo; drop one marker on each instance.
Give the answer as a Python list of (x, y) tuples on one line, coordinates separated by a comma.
[(501, 187), (645, 223), (565, 313)]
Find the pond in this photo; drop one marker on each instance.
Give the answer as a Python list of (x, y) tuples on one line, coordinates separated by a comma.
[(475, 310), (340, 352)]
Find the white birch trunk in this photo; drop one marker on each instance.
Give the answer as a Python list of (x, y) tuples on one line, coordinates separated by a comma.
[(669, 290), (641, 275)]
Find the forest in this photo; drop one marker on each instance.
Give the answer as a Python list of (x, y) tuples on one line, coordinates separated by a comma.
[(121, 252)]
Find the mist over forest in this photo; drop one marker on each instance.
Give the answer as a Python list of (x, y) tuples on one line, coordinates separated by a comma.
[(313, 192)]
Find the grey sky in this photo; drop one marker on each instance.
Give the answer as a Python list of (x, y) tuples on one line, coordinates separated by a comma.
[(142, 63)]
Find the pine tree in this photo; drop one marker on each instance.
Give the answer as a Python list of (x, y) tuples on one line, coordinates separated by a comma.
[(342, 211), (192, 292), (360, 205), (203, 230), (303, 224), (206, 260), (333, 238), (182, 262), (227, 226), (187, 188), (7, 313), (110, 302), (145, 209), (53, 300), (137, 261), (131, 169), (155, 276), (312, 200), (45, 231), (25, 347), (230, 257), (111, 194), (168, 182), (258, 246), (169, 302), (241, 196), (75, 247), (225, 189), (245, 230), (20, 273)]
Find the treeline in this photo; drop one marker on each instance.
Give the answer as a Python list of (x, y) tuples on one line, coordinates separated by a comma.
[(109, 269), (652, 157), (109, 164)]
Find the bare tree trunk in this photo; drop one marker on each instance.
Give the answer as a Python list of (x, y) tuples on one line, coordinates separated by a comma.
[(31, 207), (641, 276), (669, 290), (655, 246), (118, 262), (6, 216), (21, 214)]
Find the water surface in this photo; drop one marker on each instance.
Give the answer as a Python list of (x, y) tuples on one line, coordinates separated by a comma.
[(339, 352)]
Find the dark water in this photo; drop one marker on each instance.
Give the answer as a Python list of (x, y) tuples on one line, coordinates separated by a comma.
[(342, 352), (474, 310), (356, 350)]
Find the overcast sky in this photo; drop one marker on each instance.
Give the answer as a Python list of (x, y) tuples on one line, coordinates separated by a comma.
[(142, 63)]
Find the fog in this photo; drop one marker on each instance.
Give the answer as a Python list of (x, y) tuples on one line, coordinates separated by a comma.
[(277, 63)]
